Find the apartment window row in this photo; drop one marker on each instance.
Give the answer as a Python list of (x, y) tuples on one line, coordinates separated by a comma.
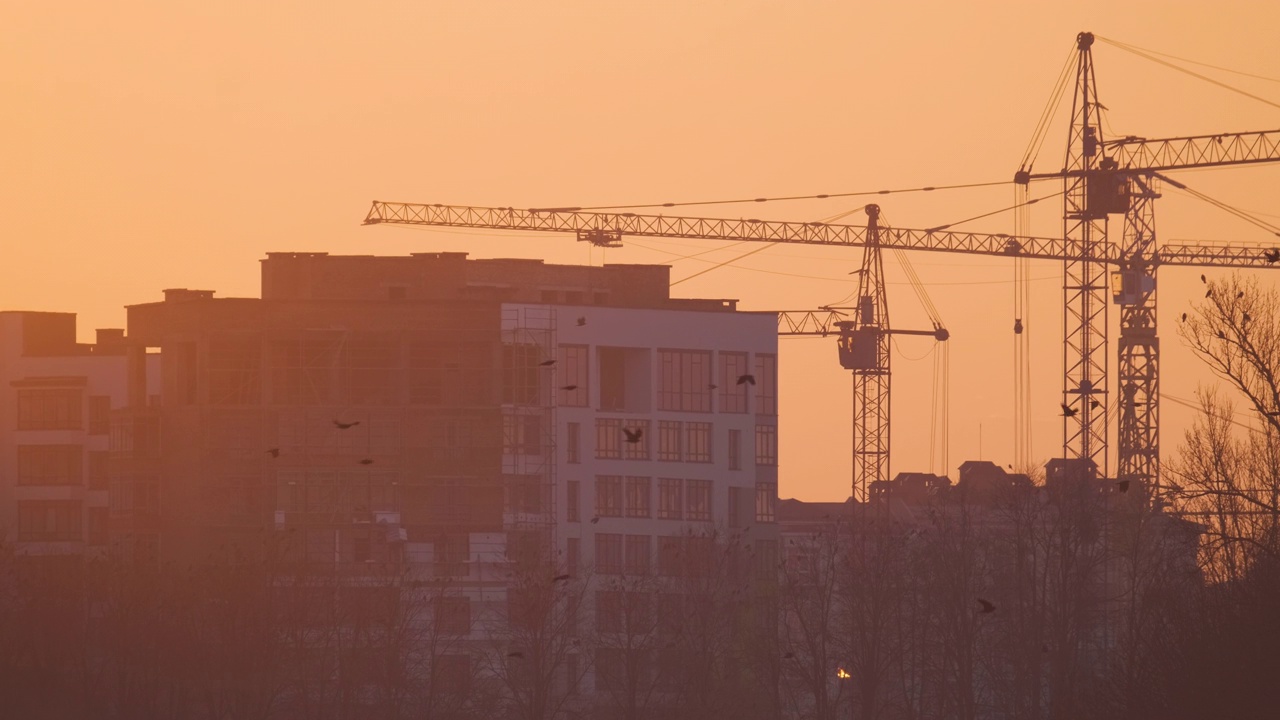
[(49, 520), (617, 439), (680, 499), (51, 465), (632, 496), (616, 553), (50, 409), (684, 441)]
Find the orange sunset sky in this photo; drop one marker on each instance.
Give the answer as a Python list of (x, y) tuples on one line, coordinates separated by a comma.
[(149, 145)]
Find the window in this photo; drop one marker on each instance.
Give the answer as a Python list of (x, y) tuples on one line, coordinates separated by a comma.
[(303, 369), (98, 478), (637, 449), (735, 507), (636, 561), (608, 611), (571, 375), (670, 435), (572, 555), (684, 380), (48, 520), (670, 550), (50, 464), (371, 368), (670, 498), (734, 449), (453, 614), (613, 378), (97, 526), (234, 370), (608, 438), (733, 395), (99, 414), (452, 555), (522, 434), (638, 497), (571, 501), (697, 445), (766, 501), (49, 409), (521, 367), (697, 499), (608, 553), (573, 443), (608, 496), (766, 445), (766, 384)]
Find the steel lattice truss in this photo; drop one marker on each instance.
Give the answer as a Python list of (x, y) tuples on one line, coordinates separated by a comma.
[(1198, 151)]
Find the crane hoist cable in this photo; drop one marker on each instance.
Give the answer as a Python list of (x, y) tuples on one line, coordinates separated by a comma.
[(1192, 73), (1131, 47), (1269, 227)]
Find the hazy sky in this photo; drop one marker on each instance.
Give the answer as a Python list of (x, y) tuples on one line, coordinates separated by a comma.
[(149, 145)]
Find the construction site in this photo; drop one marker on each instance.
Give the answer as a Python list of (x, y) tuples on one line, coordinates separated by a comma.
[(438, 485)]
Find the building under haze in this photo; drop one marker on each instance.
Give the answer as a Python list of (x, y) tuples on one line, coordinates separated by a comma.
[(450, 416), (56, 400)]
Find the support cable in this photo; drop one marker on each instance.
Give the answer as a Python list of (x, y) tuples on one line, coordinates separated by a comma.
[(1166, 63)]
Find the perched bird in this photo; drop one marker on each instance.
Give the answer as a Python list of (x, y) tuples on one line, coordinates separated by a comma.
[(987, 607), (1094, 403), (595, 520), (516, 654), (547, 363), (560, 578), (1123, 486), (274, 452), (1239, 294), (366, 461), (1208, 293), (1246, 317), (569, 387), (1184, 317), (788, 656), (1272, 256), (633, 436), (1203, 279), (1068, 411), (748, 379), (345, 426), (582, 320)]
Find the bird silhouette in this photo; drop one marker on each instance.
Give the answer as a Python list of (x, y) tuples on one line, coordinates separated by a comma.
[(788, 656), (516, 654), (633, 436), (595, 520), (366, 461), (1123, 486), (1068, 411), (547, 363), (560, 578), (1184, 317), (569, 387), (1094, 403), (1203, 279), (582, 321), (712, 386), (747, 379), (1246, 317), (987, 607), (274, 452), (345, 426), (1208, 293), (1239, 294), (1272, 256)]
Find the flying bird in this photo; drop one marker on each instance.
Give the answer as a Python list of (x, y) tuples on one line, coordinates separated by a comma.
[(561, 578), (345, 426), (366, 461), (788, 656), (747, 379), (633, 436), (595, 520), (987, 607), (712, 386), (1123, 486), (547, 363), (1068, 411), (274, 452), (1272, 256), (516, 654), (569, 387), (582, 321)]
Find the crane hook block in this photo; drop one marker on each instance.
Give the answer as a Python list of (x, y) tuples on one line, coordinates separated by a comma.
[(1017, 326)]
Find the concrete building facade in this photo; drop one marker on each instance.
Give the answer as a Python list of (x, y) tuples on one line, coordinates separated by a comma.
[(56, 400)]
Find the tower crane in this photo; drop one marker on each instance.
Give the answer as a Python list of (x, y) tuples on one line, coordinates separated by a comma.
[(866, 335), (1102, 178)]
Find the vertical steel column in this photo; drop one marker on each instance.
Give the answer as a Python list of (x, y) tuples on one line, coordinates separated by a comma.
[(1084, 386), (1139, 347), (865, 350)]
